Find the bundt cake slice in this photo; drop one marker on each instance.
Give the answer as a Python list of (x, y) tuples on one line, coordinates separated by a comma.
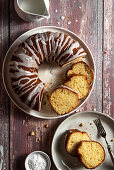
[(81, 68), (74, 137), (91, 154), (61, 98), (80, 84)]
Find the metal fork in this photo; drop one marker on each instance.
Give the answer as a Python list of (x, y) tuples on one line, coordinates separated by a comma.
[(102, 132)]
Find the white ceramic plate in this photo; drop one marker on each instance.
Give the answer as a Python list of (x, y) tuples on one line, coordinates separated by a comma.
[(62, 160), (53, 77)]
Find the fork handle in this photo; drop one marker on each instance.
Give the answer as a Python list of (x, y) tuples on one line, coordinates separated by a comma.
[(110, 152)]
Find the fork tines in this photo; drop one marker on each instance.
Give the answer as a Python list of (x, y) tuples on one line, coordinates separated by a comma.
[(97, 121), (100, 127)]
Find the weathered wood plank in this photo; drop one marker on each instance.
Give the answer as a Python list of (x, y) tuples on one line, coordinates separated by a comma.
[(4, 100), (108, 59), (91, 32)]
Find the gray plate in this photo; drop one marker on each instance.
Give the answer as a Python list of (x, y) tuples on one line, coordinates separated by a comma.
[(54, 79), (62, 160)]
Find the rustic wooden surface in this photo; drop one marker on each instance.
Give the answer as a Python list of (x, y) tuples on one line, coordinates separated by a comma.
[(91, 20)]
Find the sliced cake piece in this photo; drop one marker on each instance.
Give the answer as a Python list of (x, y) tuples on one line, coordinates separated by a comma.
[(81, 68), (64, 100), (74, 137), (80, 84), (91, 154)]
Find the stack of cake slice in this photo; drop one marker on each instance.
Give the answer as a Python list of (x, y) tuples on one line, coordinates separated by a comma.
[(81, 68), (76, 87), (90, 153)]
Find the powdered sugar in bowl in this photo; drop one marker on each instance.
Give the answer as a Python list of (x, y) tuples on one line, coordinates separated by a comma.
[(37, 160)]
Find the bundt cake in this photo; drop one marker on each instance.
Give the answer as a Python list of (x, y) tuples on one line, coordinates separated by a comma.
[(25, 61), (74, 137), (81, 68), (91, 154), (61, 98), (80, 84)]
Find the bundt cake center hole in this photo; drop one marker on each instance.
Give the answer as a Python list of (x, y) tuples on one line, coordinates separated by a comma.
[(49, 72)]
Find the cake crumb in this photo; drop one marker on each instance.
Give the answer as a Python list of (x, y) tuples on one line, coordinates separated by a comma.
[(105, 52), (44, 103), (81, 124), (46, 125), (112, 140), (32, 133), (38, 139)]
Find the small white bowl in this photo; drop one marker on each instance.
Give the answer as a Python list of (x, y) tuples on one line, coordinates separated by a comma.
[(43, 154)]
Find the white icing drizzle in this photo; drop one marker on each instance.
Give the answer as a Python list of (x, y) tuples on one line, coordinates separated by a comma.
[(23, 72), (26, 85), (44, 48), (37, 40), (60, 46), (56, 45), (68, 51), (29, 41), (37, 89), (31, 51), (44, 39), (34, 101), (83, 54), (27, 61), (24, 92), (80, 51)]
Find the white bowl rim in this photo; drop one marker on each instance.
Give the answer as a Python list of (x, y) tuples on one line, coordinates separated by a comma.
[(40, 153)]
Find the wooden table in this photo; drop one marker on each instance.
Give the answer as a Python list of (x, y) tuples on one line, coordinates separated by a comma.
[(91, 20)]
